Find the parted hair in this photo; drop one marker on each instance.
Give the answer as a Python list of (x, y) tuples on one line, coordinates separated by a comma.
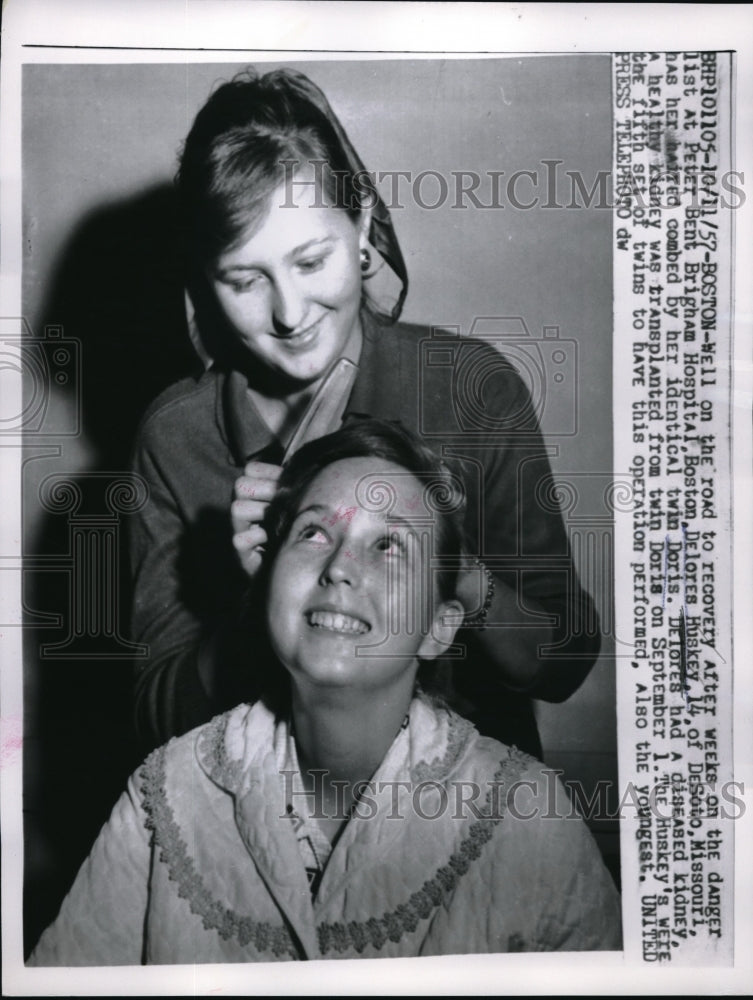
[(251, 136), (391, 441)]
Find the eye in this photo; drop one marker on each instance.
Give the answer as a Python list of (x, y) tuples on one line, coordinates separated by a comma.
[(314, 534), (391, 545), (240, 281), (245, 284), (310, 264)]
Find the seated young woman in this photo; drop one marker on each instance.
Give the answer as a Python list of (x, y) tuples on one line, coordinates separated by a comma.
[(349, 812)]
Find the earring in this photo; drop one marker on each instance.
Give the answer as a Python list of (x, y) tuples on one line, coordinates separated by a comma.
[(365, 260)]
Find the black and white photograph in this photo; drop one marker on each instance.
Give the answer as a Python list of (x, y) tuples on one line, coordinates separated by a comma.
[(376, 423)]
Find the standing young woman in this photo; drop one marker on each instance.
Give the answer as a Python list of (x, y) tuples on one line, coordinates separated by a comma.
[(284, 231)]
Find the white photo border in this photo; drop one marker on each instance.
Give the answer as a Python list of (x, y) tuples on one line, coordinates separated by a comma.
[(209, 30)]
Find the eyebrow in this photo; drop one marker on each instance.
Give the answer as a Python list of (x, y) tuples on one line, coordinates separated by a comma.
[(317, 241), (312, 508), (320, 508)]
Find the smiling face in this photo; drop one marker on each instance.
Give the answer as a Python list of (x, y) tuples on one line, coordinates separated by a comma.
[(348, 587), (291, 290)]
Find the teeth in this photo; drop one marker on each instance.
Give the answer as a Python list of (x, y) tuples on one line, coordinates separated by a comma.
[(338, 623)]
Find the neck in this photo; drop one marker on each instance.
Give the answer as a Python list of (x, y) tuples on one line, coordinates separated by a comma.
[(344, 734), (282, 402), (281, 413)]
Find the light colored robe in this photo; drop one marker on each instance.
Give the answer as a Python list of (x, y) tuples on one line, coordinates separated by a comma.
[(199, 861)]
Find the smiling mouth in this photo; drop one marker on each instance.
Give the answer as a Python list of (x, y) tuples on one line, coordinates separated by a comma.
[(299, 336), (331, 621)]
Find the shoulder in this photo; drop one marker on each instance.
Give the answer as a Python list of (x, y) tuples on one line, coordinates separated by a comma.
[(173, 759), (209, 735), (416, 338), (501, 764), (516, 782), (411, 335), (440, 351), (220, 751), (525, 783), (541, 868), (172, 784), (396, 340), (452, 749), (185, 403)]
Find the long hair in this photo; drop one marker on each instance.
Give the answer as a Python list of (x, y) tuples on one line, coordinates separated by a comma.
[(249, 138)]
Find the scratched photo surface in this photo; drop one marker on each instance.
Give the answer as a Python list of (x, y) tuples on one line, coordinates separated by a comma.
[(479, 161)]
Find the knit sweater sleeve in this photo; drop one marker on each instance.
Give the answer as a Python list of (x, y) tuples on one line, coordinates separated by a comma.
[(169, 696), (188, 588)]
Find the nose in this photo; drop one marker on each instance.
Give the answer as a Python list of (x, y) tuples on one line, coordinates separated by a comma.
[(341, 567), (289, 306)]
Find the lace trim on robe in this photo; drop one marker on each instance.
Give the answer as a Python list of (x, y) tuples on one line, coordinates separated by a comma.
[(182, 870), (337, 937), (391, 926)]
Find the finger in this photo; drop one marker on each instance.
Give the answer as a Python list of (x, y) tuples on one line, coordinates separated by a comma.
[(251, 561), (247, 488), (250, 539), (244, 513), (262, 470)]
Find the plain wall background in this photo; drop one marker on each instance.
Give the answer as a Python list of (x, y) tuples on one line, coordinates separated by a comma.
[(100, 145)]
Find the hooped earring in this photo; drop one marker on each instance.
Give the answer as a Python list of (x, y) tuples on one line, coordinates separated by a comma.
[(365, 260)]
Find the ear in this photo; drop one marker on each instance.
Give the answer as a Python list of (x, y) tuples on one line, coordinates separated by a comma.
[(364, 227), (447, 620)]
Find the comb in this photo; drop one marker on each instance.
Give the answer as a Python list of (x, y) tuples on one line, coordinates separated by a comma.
[(325, 411)]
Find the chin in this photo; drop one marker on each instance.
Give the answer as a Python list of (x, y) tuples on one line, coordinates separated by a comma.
[(326, 680), (308, 368)]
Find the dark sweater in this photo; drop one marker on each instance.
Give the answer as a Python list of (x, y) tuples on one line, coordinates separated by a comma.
[(465, 401)]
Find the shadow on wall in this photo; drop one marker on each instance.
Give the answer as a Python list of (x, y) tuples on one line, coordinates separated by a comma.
[(118, 289)]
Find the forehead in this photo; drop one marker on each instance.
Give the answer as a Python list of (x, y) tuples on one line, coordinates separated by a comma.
[(371, 489), (296, 212)]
